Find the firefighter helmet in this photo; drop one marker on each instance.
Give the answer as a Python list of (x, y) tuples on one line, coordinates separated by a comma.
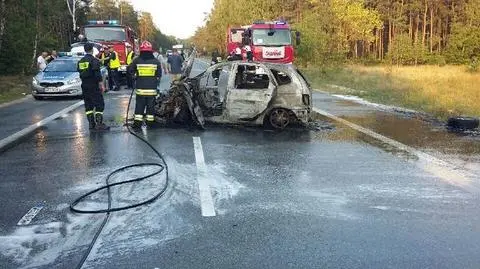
[(146, 46)]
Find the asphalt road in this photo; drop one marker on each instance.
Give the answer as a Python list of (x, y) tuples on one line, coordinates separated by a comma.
[(330, 198)]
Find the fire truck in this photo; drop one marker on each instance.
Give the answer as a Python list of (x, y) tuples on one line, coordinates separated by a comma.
[(112, 33), (270, 41)]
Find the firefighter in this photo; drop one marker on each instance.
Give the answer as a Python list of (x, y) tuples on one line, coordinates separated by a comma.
[(114, 64), (249, 53), (148, 72), (92, 88), (104, 53), (236, 55), (130, 56)]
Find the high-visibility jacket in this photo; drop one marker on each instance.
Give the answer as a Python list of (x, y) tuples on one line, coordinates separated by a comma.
[(114, 63), (89, 69), (149, 72), (129, 57)]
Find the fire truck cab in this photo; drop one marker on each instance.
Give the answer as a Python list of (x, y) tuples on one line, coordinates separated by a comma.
[(111, 33), (269, 41)]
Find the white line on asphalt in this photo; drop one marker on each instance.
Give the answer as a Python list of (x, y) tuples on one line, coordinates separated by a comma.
[(444, 170), (28, 96), (206, 200), (27, 218), (12, 138)]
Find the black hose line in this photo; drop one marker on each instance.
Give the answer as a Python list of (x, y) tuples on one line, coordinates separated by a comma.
[(162, 166)]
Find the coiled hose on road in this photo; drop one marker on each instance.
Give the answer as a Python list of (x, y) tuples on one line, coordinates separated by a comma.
[(162, 167)]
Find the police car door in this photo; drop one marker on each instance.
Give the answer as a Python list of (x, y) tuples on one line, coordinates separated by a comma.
[(250, 90)]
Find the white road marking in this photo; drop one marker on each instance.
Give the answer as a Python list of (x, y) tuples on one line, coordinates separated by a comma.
[(442, 169), (27, 218), (206, 200), (12, 138), (28, 96)]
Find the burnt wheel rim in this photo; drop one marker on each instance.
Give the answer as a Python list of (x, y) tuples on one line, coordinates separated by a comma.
[(279, 118)]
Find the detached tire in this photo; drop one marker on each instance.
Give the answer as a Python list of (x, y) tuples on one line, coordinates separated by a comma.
[(463, 123)]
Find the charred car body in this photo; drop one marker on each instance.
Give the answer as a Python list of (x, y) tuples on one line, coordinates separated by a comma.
[(250, 93)]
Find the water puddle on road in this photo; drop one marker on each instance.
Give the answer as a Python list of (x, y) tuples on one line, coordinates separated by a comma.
[(426, 135)]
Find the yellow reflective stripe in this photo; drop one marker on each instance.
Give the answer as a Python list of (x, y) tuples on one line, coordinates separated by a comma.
[(98, 112), (89, 112), (83, 65), (146, 92), (130, 57), (146, 70), (115, 63), (150, 118), (138, 117)]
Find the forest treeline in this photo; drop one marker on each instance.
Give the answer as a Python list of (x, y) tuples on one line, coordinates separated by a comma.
[(28, 27), (403, 32)]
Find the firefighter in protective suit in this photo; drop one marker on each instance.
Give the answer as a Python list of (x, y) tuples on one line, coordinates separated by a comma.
[(92, 88), (148, 72)]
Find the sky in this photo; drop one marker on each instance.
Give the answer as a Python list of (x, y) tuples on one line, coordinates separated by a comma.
[(179, 18)]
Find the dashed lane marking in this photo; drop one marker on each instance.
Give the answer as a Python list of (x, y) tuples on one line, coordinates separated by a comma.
[(206, 200), (29, 216)]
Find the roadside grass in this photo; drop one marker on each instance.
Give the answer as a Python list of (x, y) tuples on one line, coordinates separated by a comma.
[(14, 87), (441, 91)]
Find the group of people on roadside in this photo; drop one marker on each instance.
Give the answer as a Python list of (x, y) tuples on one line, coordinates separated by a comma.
[(238, 54), (144, 73), (45, 58)]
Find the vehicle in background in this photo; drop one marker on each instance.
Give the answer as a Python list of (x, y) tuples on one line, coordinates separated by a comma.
[(60, 78), (178, 47), (247, 93), (269, 41), (77, 48), (110, 33)]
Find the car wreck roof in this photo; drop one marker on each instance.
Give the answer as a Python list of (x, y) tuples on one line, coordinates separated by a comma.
[(267, 64)]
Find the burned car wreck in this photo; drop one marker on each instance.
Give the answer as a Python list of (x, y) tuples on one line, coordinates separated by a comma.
[(247, 93)]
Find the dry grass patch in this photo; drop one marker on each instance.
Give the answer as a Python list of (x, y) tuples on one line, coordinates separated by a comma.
[(14, 87), (442, 91)]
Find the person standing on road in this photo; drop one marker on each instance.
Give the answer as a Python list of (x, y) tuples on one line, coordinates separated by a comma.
[(130, 55), (52, 56), (161, 59), (148, 72), (236, 55), (114, 64), (92, 88), (175, 64), (215, 57), (42, 61)]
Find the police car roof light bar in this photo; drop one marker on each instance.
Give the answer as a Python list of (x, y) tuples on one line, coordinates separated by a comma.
[(109, 22)]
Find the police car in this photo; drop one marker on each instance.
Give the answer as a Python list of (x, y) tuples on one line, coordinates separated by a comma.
[(60, 78)]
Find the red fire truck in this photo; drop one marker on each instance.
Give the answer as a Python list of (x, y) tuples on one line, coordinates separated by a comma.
[(112, 33), (269, 41)]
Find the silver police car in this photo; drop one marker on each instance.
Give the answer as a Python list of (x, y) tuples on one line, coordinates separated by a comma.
[(60, 78)]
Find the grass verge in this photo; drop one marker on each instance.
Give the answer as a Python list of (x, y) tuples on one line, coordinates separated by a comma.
[(441, 91), (14, 87)]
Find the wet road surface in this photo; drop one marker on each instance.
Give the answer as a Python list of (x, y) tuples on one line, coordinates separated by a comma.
[(295, 199), (461, 150), (17, 116)]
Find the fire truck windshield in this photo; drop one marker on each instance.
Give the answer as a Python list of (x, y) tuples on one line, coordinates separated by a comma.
[(277, 37), (105, 33)]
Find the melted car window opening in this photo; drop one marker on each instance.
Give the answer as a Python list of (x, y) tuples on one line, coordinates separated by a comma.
[(281, 77), (251, 77)]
